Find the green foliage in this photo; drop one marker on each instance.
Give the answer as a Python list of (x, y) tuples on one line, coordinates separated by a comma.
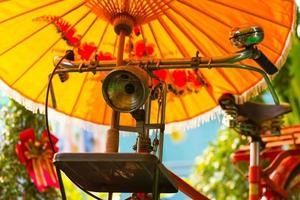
[(287, 83), (14, 181), (215, 175)]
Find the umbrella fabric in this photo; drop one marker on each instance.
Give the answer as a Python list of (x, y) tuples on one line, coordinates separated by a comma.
[(32, 32)]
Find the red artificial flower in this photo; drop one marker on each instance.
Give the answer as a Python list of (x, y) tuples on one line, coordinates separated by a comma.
[(179, 78), (150, 49), (137, 30), (104, 56), (86, 50), (62, 25), (140, 49), (192, 77), (71, 38), (161, 74)]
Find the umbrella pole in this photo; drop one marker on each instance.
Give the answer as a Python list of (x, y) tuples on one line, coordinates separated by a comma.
[(112, 137)]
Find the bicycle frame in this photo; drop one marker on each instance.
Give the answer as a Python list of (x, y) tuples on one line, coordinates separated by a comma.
[(273, 178)]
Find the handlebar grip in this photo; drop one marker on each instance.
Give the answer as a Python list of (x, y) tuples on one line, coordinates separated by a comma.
[(266, 64)]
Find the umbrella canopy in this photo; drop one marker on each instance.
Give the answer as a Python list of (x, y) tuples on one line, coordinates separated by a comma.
[(32, 32)]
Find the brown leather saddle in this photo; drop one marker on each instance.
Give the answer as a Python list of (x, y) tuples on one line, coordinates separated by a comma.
[(259, 112), (255, 112)]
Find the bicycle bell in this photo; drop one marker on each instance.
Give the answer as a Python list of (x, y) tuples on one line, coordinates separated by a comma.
[(242, 37)]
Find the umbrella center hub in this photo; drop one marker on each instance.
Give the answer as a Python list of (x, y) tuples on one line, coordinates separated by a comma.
[(123, 22)]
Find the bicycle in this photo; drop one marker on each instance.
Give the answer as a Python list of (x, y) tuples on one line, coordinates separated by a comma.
[(143, 172), (261, 123)]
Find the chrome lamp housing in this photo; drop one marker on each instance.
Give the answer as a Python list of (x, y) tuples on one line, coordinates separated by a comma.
[(126, 88)]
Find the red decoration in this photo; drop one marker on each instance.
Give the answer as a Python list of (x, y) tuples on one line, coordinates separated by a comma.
[(150, 49), (192, 77), (86, 50), (178, 80), (141, 49), (104, 56), (37, 156), (137, 30), (72, 40), (161, 74), (179, 77)]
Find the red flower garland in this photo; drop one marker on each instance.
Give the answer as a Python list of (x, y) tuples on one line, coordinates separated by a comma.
[(182, 80)]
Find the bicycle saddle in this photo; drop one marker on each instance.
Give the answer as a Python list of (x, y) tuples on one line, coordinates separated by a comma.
[(258, 112)]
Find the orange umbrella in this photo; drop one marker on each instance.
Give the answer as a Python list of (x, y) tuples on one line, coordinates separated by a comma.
[(33, 32)]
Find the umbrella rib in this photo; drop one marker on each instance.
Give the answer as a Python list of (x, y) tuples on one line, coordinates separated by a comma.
[(167, 29), (186, 33), (143, 34), (24, 39), (205, 13), (81, 18), (115, 46), (270, 48), (177, 24), (249, 13), (37, 60), (207, 35), (41, 91), (206, 88), (43, 54), (29, 11), (102, 36), (200, 29), (186, 18), (89, 27), (79, 93), (38, 30), (155, 39), (170, 33), (143, 8), (107, 6), (223, 74), (156, 11), (105, 109), (184, 107)]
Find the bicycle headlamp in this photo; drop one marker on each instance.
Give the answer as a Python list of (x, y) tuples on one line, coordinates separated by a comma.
[(126, 88)]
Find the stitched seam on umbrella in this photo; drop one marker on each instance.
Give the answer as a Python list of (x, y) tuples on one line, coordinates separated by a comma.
[(223, 74), (200, 29), (155, 38), (34, 63), (89, 27), (178, 44), (185, 33), (249, 13), (45, 52), (79, 94), (115, 46), (102, 36), (222, 22), (205, 13)]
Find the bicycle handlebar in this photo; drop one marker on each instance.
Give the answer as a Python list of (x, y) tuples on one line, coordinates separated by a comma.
[(249, 53), (195, 63), (265, 63)]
